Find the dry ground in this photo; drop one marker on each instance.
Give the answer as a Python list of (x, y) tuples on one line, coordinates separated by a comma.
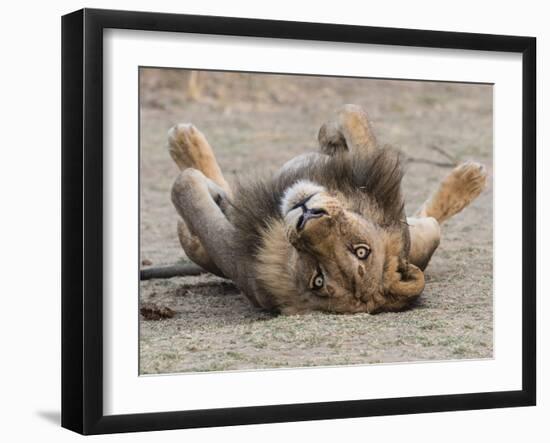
[(256, 123)]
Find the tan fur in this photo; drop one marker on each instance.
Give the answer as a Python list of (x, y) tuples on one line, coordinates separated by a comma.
[(190, 149), (195, 250), (330, 235), (426, 233), (287, 261), (348, 130), (456, 192)]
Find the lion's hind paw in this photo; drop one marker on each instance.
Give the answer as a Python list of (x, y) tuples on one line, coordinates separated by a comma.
[(187, 146), (462, 186)]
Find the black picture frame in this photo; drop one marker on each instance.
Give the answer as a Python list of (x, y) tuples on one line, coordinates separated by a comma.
[(82, 220)]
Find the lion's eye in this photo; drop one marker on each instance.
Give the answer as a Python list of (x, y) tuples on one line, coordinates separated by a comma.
[(361, 251), (318, 281)]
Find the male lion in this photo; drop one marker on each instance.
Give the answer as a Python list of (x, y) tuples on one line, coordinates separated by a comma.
[(328, 232)]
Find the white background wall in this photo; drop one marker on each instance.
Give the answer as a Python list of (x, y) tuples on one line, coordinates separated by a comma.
[(30, 218)]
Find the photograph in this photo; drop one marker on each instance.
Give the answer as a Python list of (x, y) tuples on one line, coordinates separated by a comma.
[(293, 221), (268, 222)]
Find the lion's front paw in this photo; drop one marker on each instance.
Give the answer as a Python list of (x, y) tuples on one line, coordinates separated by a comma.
[(458, 190)]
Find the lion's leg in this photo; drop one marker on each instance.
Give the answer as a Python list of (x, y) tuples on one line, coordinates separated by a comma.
[(425, 235), (203, 230), (349, 130), (197, 200), (195, 250), (454, 193), (190, 149)]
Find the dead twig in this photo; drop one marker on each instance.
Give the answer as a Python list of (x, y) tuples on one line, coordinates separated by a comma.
[(453, 162), (180, 270), (444, 153), (429, 162)]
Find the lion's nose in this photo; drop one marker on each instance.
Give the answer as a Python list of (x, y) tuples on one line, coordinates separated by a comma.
[(308, 214)]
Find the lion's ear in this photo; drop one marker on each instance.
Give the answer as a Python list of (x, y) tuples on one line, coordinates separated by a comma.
[(400, 288)]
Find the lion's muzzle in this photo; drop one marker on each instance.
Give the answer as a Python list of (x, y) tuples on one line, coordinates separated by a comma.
[(308, 214)]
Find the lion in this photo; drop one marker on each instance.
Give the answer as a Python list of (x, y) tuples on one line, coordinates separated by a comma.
[(327, 232)]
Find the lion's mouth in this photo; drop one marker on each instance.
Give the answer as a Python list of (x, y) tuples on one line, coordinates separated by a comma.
[(308, 214)]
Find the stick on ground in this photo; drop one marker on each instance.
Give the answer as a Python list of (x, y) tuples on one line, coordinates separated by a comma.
[(453, 162), (181, 270)]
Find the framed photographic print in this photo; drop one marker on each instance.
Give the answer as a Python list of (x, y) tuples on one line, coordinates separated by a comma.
[(270, 221)]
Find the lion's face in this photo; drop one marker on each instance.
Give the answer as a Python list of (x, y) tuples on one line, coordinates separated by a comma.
[(339, 256), (323, 256)]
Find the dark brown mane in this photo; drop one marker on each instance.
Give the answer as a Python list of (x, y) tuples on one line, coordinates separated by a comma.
[(371, 183)]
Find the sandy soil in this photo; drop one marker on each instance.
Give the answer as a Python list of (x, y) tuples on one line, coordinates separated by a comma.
[(256, 123)]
